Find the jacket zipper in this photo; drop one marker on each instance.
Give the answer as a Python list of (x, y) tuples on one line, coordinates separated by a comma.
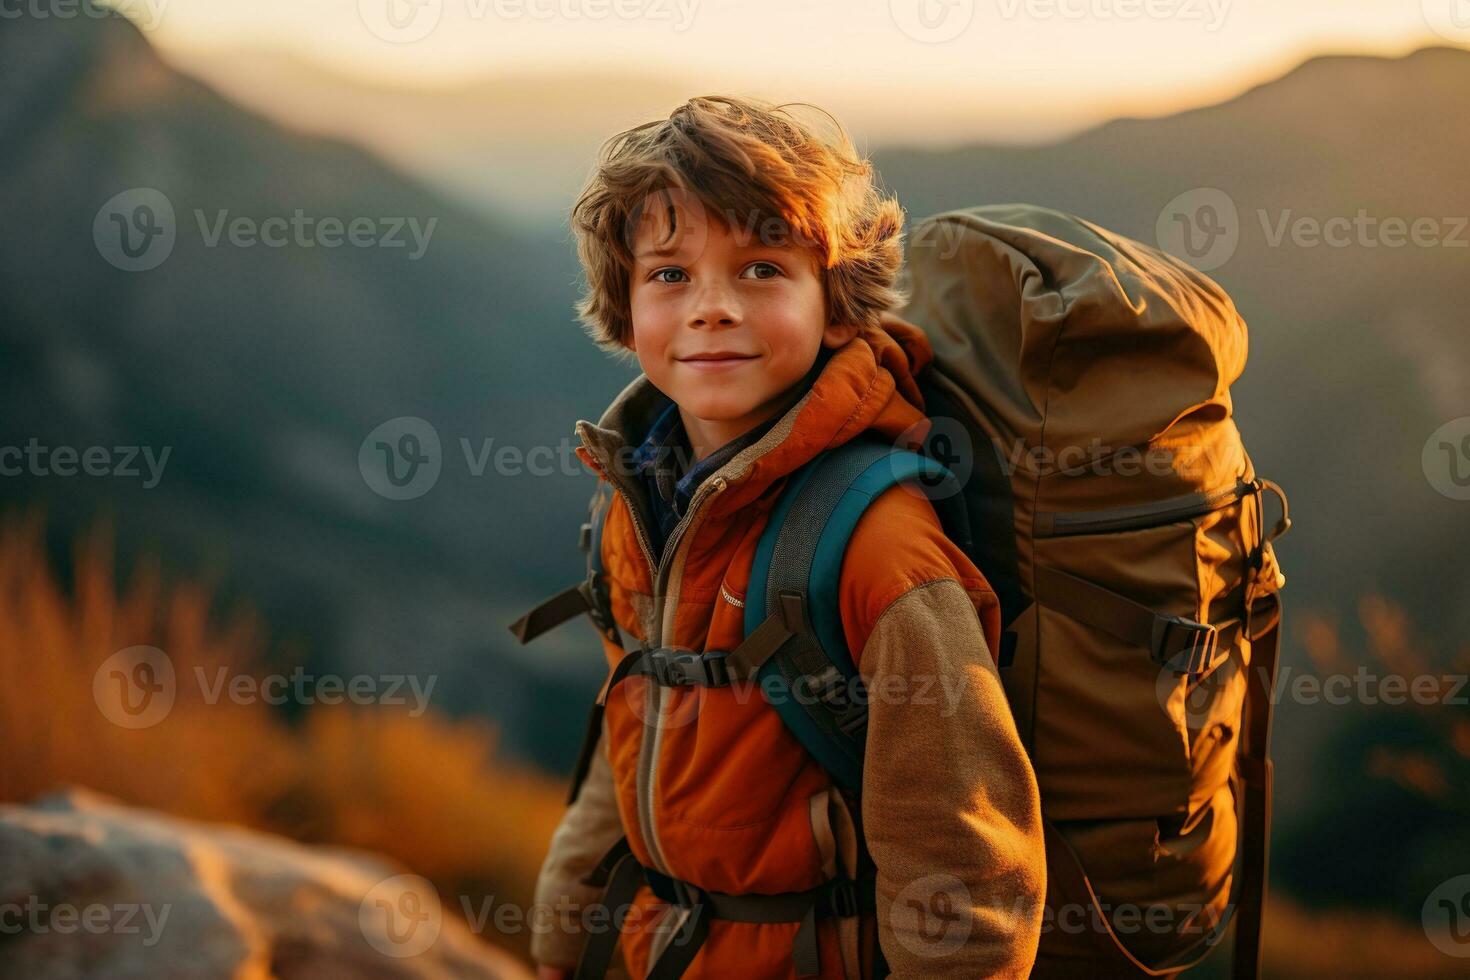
[(644, 784)]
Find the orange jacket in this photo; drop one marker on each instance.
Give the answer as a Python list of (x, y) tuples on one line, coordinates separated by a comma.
[(710, 787)]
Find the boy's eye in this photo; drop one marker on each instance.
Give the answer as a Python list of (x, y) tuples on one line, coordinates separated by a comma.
[(775, 270), (762, 270)]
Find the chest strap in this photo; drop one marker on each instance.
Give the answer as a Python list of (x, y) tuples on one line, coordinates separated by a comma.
[(678, 668), (622, 875)]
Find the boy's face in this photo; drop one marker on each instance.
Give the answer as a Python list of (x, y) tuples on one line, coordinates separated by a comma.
[(723, 324)]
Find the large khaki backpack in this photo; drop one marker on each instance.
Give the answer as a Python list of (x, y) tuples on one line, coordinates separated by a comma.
[(1080, 392)]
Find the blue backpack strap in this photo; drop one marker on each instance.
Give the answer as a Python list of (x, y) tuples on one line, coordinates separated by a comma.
[(812, 681)]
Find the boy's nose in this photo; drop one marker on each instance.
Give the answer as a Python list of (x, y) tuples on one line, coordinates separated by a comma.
[(715, 306)]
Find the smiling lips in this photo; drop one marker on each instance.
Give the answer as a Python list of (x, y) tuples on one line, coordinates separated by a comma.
[(719, 360)]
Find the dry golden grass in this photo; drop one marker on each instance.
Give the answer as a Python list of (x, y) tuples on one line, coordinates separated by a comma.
[(1388, 646), (1343, 944), (427, 791)]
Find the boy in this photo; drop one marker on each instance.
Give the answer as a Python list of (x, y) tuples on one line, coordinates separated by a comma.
[(749, 266)]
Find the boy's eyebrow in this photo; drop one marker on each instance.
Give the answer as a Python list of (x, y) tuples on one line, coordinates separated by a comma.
[(655, 250), (740, 246)]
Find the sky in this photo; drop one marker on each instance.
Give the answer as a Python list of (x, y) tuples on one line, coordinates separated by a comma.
[(1052, 59)]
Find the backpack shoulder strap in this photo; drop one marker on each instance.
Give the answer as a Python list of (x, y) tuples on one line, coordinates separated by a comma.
[(812, 681)]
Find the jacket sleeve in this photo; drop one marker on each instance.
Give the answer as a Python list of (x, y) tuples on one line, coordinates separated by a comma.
[(950, 806), (590, 826)]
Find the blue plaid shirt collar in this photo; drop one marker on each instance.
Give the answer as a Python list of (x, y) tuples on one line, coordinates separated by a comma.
[(665, 458)]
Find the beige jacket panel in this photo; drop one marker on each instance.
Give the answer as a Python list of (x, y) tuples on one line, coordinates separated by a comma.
[(950, 803), (589, 827)]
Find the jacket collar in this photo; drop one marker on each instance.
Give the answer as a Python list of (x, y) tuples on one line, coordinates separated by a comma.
[(868, 384)]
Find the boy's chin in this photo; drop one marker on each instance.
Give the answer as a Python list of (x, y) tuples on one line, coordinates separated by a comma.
[(709, 410)]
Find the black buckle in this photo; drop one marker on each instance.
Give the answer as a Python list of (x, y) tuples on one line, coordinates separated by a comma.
[(676, 668), (599, 599), (716, 669), (853, 719), (830, 687), (842, 898), (1184, 645), (668, 666), (850, 708)]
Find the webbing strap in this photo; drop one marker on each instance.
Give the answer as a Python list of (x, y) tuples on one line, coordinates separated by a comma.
[(840, 897), (1183, 645), (553, 611), (837, 897), (683, 947), (1256, 776), (593, 731), (590, 736), (675, 668), (590, 596), (796, 570), (623, 875), (751, 655)]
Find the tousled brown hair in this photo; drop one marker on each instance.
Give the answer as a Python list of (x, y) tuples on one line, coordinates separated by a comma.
[(755, 168)]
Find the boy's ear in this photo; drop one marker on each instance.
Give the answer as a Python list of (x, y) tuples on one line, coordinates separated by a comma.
[(837, 334)]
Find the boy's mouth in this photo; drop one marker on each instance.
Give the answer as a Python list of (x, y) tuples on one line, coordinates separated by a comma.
[(717, 360)]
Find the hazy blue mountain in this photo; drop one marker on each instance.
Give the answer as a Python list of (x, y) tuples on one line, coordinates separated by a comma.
[(264, 369)]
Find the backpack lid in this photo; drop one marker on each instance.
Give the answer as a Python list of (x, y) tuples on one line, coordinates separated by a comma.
[(1069, 335)]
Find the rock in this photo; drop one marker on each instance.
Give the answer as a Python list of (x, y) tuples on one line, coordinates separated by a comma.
[(92, 888)]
